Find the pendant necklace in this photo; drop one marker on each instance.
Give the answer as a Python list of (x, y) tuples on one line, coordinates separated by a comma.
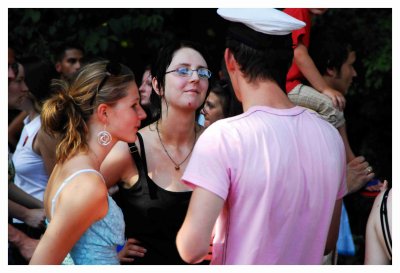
[(177, 166)]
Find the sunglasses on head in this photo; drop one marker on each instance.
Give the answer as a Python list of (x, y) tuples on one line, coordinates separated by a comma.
[(112, 69)]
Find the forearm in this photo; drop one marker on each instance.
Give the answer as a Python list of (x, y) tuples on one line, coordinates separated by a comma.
[(308, 68), (193, 239), (16, 194), (191, 247), (334, 227), (15, 210), (15, 236)]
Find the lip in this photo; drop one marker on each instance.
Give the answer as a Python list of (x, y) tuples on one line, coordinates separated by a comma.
[(192, 91)]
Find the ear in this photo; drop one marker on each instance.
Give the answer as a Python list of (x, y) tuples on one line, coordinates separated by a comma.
[(102, 113), (331, 72), (154, 83), (58, 67), (230, 61)]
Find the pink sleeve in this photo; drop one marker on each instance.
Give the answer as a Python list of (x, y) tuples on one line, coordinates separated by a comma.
[(208, 166)]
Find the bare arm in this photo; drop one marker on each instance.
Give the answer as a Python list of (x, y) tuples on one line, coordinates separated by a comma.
[(19, 196), (311, 73), (79, 205), (45, 145), (375, 248), (32, 217), (15, 128), (25, 244), (334, 227), (193, 239)]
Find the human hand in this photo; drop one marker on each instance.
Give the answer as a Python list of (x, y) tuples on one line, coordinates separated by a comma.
[(358, 174), (131, 249), (337, 98), (35, 218), (27, 247), (379, 186)]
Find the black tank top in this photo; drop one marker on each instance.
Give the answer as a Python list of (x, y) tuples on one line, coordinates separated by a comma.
[(152, 214)]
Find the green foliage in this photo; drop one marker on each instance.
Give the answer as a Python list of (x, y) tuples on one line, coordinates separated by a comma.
[(100, 31)]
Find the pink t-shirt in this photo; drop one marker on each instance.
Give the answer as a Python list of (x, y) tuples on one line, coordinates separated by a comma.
[(280, 172)]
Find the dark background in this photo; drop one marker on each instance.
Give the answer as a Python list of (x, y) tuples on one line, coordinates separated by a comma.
[(133, 36)]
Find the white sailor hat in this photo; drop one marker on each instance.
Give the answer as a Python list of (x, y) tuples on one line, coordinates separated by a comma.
[(266, 21), (260, 29)]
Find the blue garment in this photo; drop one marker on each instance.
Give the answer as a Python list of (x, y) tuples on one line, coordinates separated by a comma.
[(98, 244)]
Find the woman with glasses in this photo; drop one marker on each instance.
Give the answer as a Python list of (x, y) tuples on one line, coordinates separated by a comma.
[(99, 107), (153, 199)]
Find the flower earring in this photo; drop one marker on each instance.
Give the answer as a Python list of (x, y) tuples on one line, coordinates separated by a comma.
[(103, 137)]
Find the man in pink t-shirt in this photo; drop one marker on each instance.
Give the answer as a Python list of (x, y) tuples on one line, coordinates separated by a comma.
[(274, 176)]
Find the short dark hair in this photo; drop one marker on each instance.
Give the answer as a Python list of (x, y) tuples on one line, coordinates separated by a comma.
[(60, 51), (271, 60), (328, 50)]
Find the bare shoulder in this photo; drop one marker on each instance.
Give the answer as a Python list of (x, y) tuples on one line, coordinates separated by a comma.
[(86, 193)]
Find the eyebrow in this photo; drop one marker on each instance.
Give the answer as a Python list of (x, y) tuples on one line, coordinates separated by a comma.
[(186, 64)]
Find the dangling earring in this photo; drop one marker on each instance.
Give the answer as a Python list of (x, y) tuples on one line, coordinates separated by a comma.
[(103, 137)]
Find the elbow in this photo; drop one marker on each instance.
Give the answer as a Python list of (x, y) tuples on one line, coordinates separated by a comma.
[(190, 258), (191, 251)]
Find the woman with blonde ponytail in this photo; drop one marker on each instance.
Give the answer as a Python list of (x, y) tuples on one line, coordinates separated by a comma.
[(99, 107)]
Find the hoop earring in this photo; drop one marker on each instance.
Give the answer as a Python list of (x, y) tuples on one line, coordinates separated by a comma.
[(103, 137)]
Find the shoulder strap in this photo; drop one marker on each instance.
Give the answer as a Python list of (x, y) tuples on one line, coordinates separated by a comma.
[(385, 222), (139, 159), (143, 152), (66, 182)]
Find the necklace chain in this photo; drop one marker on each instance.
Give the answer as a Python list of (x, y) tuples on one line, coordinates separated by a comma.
[(177, 166)]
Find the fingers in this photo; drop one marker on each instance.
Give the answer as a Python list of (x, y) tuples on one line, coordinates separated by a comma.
[(341, 102), (356, 161), (133, 241), (132, 248), (335, 101), (368, 170), (126, 260)]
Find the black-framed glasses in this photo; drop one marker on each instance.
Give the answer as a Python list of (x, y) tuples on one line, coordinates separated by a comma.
[(203, 73), (112, 69)]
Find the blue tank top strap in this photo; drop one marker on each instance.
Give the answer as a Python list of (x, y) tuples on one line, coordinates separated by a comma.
[(69, 179)]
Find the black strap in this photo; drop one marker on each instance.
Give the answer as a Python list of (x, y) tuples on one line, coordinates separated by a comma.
[(143, 152), (137, 158), (385, 222)]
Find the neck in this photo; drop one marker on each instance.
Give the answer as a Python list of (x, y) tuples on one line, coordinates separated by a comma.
[(263, 93), (98, 152), (177, 127)]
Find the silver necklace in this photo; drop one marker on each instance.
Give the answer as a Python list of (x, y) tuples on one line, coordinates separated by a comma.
[(177, 166)]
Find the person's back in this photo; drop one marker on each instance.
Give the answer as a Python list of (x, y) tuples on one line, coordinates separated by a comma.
[(282, 172), (276, 173)]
